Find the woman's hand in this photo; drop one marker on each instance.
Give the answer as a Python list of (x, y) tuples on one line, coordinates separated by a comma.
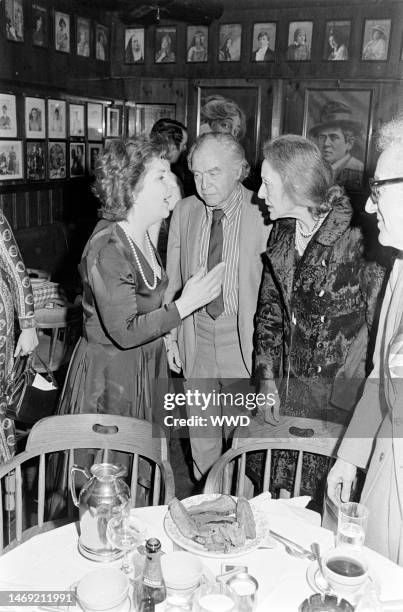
[(174, 360), (27, 342), (200, 289), (271, 410)]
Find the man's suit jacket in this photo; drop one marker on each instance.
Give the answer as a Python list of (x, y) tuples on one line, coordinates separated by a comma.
[(183, 262), (379, 415)]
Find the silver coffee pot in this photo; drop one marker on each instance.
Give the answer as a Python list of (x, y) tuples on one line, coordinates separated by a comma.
[(103, 496)]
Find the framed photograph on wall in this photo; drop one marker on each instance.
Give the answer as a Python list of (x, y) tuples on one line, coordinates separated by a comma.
[(165, 45), (83, 37), (56, 119), (11, 164), (113, 121), (39, 25), (299, 41), (141, 117), (77, 159), (376, 37), (338, 121), (36, 160), (62, 32), (76, 117), (57, 160), (196, 43), (8, 116), (229, 42), (337, 40), (231, 108), (35, 118), (134, 46), (264, 42), (94, 151), (101, 42), (94, 121), (14, 20)]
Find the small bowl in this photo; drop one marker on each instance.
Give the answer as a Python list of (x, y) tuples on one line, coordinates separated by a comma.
[(181, 570), (346, 569), (102, 589)]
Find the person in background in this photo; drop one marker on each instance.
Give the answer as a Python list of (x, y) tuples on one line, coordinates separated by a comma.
[(5, 119), (376, 48), (225, 52), (35, 120), (339, 50), (165, 53), (100, 50), (197, 52), (38, 34), (62, 37), (336, 135), (174, 134), (83, 47), (374, 439), (318, 295), (134, 53), (15, 298), (219, 114), (215, 343), (263, 53), (299, 49)]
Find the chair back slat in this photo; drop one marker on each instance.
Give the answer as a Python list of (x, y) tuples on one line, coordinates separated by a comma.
[(135, 475), (241, 475), (1, 514), (41, 491), (157, 486), (18, 502), (298, 475), (267, 471)]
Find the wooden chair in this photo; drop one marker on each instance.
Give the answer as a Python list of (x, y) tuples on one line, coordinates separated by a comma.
[(58, 329), (295, 434), (70, 432)]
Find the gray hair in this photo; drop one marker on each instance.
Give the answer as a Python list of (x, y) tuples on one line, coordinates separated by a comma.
[(391, 134), (227, 142)]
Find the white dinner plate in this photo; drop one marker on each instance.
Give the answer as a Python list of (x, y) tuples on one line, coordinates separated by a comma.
[(318, 584), (262, 530)]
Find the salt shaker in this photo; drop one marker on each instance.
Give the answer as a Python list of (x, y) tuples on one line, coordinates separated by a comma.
[(245, 588)]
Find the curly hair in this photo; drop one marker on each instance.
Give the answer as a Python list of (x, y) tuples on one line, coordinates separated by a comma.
[(119, 172), (232, 148), (217, 108), (391, 134), (305, 174)]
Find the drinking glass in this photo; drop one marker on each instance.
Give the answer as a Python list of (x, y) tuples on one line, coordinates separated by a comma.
[(125, 533), (351, 524), (214, 597)]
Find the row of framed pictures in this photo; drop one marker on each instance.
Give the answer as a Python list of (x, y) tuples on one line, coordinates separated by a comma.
[(52, 161), (86, 32), (375, 42), (62, 119)]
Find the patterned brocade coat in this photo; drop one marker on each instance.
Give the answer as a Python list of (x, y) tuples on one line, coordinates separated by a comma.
[(314, 315), (15, 297)]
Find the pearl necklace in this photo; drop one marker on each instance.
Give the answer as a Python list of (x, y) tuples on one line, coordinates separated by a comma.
[(301, 238), (137, 260)]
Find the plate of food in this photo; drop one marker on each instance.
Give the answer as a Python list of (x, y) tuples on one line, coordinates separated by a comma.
[(215, 525)]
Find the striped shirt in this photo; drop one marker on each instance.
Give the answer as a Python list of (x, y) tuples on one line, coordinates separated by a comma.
[(230, 225)]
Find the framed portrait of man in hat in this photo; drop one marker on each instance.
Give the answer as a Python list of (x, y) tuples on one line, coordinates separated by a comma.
[(338, 121), (375, 46)]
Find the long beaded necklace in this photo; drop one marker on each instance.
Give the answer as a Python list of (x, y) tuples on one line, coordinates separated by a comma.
[(137, 260), (302, 238)]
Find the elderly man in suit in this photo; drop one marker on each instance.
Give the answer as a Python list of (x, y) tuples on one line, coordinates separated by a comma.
[(378, 417), (215, 343)]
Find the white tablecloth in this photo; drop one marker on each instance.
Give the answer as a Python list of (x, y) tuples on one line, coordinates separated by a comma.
[(51, 560)]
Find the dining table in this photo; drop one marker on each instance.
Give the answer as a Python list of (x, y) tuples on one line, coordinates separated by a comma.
[(51, 561)]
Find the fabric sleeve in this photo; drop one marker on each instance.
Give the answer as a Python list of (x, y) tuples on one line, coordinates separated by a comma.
[(268, 328), (16, 275), (114, 287), (175, 282)]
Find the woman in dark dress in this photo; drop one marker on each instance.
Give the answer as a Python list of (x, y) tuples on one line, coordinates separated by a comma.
[(122, 351)]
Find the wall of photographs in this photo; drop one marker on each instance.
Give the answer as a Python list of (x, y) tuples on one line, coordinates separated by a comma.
[(57, 139)]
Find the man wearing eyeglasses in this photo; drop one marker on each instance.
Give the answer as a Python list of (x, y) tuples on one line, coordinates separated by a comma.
[(374, 437)]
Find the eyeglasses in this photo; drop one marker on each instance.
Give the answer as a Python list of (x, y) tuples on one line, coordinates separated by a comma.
[(374, 185)]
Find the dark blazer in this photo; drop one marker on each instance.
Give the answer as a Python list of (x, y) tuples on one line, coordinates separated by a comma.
[(314, 311)]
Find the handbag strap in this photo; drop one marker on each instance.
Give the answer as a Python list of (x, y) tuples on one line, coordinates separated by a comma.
[(35, 355)]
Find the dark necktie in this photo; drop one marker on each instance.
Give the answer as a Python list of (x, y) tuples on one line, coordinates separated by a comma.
[(216, 306)]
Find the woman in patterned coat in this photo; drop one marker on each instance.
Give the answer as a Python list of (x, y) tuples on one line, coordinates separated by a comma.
[(318, 294), (15, 296)]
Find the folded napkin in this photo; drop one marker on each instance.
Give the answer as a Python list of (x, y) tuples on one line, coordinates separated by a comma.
[(304, 526)]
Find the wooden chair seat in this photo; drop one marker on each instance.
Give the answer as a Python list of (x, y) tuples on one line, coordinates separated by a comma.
[(58, 331), (140, 439)]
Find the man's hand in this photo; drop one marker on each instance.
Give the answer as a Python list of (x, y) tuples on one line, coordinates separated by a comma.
[(340, 481), (271, 410), (174, 360)]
